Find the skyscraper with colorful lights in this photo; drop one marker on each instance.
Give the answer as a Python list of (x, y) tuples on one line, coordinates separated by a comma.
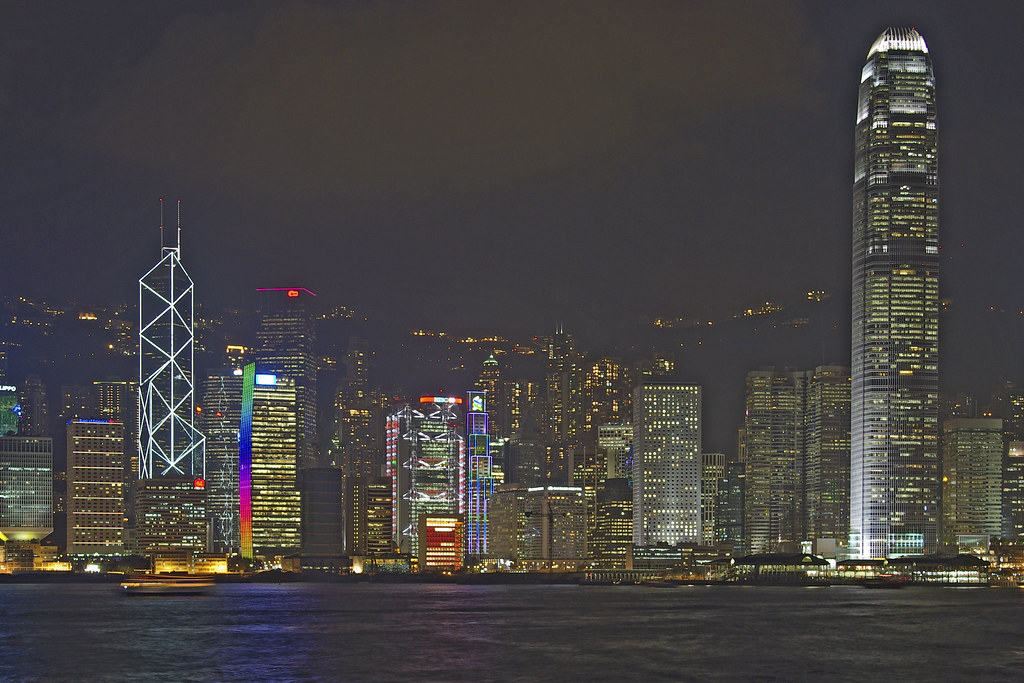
[(426, 454), (479, 475), (894, 487)]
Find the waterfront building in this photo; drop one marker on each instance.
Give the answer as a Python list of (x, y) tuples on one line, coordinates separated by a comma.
[(479, 473), (773, 440), (26, 488), (425, 454), (95, 487), (220, 419), (972, 478), (269, 499), (556, 530), (506, 531), (286, 339), (440, 546), (613, 532), (170, 516), (894, 402), (827, 454), (322, 514), (368, 517), (666, 464), (171, 450), (729, 508)]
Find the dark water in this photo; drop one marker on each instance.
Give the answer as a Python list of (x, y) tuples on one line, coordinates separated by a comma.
[(467, 633)]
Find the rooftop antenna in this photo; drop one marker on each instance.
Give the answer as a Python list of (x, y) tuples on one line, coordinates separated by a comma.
[(161, 201), (178, 247)]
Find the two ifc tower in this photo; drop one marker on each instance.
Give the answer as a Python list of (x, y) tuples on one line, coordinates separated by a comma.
[(894, 405)]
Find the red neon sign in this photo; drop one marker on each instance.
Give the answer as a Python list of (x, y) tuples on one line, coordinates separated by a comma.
[(440, 399), (199, 483), (292, 293)]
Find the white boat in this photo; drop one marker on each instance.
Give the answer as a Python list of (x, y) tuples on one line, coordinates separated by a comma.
[(166, 584)]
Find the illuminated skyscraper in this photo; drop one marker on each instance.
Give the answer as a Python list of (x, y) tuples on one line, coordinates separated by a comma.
[(666, 464), (479, 475), (894, 455), (172, 464), (426, 464), (712, 471), (286, 340), (827, 454), (269, 500)]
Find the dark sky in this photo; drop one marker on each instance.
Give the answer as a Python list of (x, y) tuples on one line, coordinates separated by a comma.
[(487, 165)]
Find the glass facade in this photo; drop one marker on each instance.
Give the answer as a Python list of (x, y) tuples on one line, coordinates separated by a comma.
[(894, 403), (26, 488)]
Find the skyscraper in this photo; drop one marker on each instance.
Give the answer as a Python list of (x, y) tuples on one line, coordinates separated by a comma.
[(666, 464), (220, 419), (172, 463), (479, 474), (269, 500), (286, 339), (426, 464), (894, 403)]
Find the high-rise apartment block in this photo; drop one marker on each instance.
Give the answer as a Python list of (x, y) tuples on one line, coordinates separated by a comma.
[(894, 463), (666, 464)]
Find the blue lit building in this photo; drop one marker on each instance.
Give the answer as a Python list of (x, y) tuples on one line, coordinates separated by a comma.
[(479, 474)]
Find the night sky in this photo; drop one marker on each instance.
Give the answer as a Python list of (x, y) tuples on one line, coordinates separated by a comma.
[(482, 166)]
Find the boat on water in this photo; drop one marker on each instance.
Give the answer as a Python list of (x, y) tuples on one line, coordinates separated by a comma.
[(166, 584), (885, 581)]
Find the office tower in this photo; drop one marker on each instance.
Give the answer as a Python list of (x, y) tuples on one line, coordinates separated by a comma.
[(712, 471), (268, 491), (562, 420), (9, 410), (616, 440), (613, 534), (556, 531), (96, 487), (34, 408), (506, 532), (666, 464), (368, 529), (426, 464), (525, 452), (26, 488), (286, 339), (440, 546), (827, 454), (172, 465), (322, 514), (729, 510), (894, 402), (773, 444), (972, 478), (220, 419), (1013, 491), (479, 473)]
